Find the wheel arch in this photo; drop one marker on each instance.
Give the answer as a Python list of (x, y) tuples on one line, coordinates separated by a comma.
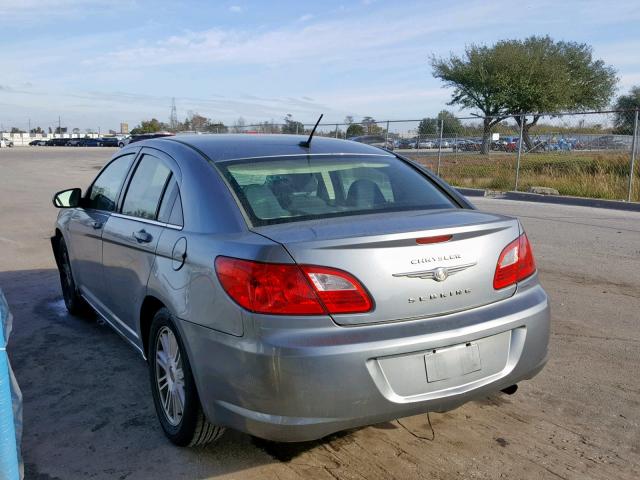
[(55, 245), (148, 309)]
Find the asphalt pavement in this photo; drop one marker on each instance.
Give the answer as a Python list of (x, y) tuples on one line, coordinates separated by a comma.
[(89, 413)]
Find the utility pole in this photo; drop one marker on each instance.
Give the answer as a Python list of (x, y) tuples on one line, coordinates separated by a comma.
[(29, 126), (386, 136), (440, 146), (634, 147), (173, 115)]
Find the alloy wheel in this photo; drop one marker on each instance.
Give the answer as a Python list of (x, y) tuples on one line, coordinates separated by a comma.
[(170, 376)]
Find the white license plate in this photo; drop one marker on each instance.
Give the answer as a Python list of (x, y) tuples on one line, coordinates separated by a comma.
[(451, 362)]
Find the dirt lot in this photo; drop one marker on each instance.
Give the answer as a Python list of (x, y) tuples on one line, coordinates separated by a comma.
[(89, 414)]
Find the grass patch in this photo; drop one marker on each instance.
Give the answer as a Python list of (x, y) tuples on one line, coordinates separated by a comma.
[(576, 173)]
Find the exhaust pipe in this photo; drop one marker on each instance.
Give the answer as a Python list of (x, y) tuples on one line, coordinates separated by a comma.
[(510, 390)]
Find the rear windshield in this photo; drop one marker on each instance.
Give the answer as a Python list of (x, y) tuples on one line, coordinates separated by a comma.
[(306, 188)]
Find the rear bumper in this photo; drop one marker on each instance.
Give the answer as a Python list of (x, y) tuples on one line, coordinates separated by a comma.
[(303, 384)]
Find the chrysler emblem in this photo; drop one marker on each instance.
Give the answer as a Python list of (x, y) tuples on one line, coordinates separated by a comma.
[(439, 274)]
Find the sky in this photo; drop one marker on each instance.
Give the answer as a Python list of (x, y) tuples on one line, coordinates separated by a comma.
[(96, 63)]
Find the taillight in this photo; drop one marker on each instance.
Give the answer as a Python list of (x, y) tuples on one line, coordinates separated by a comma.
[(515, 263), (339, 291), (289, 289)]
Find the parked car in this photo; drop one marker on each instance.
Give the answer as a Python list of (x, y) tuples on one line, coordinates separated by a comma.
[(38, 143), (6, 142), (57, 142), (76, 142), (373, 140), (291, 290), (123, 140), (91, 142), (426, 144), (108, 142), (406, 143)]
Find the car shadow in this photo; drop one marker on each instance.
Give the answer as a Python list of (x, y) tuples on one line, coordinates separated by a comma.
[(88, 409)]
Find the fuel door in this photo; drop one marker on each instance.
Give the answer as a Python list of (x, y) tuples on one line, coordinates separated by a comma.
[(179, 253)]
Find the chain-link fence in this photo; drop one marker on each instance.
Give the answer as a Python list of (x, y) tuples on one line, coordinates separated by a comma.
[(588, 154)]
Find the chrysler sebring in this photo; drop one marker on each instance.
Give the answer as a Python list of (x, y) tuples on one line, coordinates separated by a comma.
[(290, 289)]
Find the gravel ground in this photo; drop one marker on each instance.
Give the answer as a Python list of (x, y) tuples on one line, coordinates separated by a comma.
[(89, 413)]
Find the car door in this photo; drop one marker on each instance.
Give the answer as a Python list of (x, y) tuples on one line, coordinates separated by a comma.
[(84, 235), (130, 238)]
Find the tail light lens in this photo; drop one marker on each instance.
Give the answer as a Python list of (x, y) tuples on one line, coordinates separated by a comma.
[(515, 263), (289, 289), (339, 291)]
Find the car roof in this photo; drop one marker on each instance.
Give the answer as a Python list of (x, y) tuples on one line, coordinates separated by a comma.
[(220, 147)]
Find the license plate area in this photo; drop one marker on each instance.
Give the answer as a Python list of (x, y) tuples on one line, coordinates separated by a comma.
[(417, 375), (452, 362)]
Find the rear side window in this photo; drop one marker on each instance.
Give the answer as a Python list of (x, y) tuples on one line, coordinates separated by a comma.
[(104, 191), (146, 188), (176, 217), (171, 207), (306, 188)]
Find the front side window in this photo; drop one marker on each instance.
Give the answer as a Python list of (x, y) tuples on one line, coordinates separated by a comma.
[(104, 191), (306, 188), (146, 188)]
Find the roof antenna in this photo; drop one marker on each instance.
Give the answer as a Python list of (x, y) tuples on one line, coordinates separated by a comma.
[(307, 143)]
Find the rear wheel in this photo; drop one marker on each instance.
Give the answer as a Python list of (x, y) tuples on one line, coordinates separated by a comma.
[(174, 391), (76, 305)]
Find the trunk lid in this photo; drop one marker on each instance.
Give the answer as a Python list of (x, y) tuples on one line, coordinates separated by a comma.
[(407, 280)]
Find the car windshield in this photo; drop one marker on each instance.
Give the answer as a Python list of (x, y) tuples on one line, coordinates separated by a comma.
[(306, 188)]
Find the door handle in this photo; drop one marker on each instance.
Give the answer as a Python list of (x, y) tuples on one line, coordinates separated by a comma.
[(96, 225), (142, 236)]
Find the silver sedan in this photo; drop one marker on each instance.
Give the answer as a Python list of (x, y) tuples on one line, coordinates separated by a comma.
[(290, 290)]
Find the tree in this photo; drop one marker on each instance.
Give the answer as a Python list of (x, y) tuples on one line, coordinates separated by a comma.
[(428, 126), (37, 130), (624, 120), (268, 127), (199, 123), (217, 127), (16, 130), (355, 130), (535, 76), (451, 125), (371, 126), (238, 125), (75, 130), (292, 126), (149, 126)]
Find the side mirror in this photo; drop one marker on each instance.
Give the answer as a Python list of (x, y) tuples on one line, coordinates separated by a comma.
[(67, 198)]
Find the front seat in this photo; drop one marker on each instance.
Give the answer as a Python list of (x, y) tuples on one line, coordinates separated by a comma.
[(365, 193)]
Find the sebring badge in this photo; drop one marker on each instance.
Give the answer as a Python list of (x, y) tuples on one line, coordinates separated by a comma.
[(439, 274)]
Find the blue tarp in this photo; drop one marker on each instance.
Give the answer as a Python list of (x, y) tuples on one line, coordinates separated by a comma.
[(10, 405)]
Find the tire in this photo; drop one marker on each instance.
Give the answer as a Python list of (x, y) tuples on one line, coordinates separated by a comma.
[(190, 427), (76, 305)]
